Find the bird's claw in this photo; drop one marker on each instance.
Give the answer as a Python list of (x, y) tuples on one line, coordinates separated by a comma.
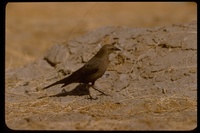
[(104, 94), (91, 98)]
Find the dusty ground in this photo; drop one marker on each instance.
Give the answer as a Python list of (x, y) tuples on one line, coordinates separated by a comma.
[(152, 82)]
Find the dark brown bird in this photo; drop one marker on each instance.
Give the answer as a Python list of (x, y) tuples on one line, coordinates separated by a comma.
[(92, 70)]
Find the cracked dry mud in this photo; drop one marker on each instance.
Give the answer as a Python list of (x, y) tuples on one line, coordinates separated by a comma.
[(152, 83)]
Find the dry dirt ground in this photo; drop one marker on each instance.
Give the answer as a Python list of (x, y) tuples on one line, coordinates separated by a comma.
[(151, 82)]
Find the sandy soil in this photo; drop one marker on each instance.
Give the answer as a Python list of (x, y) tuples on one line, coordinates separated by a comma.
[(152, 82)]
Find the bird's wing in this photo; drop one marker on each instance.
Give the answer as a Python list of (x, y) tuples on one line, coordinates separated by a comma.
[(87, 70), (90, 67)]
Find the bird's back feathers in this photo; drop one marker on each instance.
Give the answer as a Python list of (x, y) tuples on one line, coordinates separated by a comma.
[(91, 71)]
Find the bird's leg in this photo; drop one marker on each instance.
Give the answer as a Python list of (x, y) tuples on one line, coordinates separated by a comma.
[(99, 91), (92, 85), (90, 97)]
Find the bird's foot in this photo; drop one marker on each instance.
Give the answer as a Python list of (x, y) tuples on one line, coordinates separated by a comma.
[(64, 91), (92, 85), (91, 98), (102, 93)]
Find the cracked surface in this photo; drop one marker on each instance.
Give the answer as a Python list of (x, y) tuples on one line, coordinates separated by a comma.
[(152, 83)]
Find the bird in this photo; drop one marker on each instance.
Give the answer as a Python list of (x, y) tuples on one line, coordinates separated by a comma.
[(92, 70)]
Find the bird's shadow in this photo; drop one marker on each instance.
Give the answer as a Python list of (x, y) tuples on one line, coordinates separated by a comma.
[(79, 90)]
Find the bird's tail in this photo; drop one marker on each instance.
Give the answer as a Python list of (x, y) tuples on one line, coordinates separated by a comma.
[(64, 81)]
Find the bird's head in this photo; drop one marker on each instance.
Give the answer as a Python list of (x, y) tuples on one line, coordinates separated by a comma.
[(109, 48), (106, 50)]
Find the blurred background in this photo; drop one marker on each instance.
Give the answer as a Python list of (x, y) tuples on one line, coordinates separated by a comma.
[(32, 28)]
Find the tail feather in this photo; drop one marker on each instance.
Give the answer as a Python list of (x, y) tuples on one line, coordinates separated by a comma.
[(73, 78), (64, 81)]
